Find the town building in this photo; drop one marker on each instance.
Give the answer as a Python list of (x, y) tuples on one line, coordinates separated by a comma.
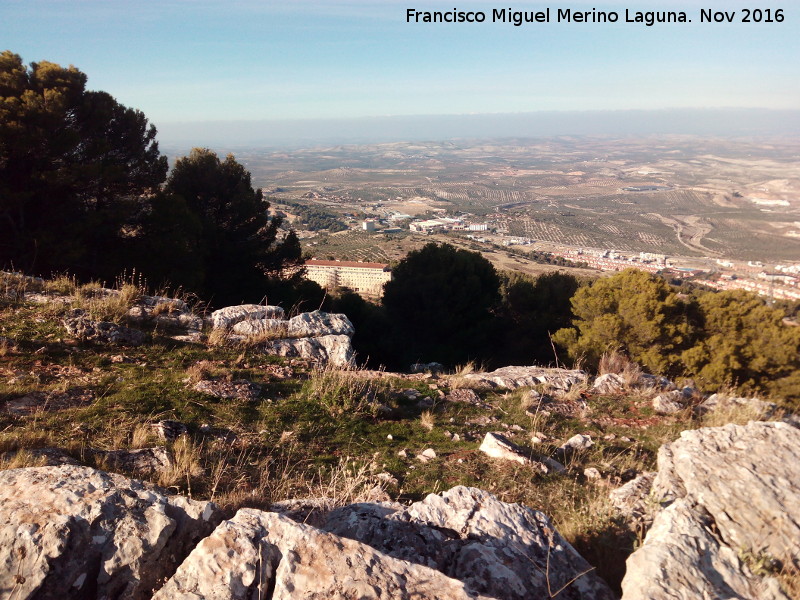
[(365, 278)]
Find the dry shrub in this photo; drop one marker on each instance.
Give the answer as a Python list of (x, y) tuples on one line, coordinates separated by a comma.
[(614, 361), (21, 459), (340, 391), (218, 338), (186, 464), (458, 380), (348, 482), (199, 371), (426, 420)]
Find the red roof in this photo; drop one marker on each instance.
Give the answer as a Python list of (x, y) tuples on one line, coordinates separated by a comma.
[(345, 263)]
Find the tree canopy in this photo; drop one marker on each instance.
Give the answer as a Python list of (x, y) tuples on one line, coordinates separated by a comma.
[(440, 300), (73, 166), (240, 254), (634, 311)]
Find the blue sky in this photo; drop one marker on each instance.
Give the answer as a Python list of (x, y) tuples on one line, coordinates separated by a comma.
[(205, 60)]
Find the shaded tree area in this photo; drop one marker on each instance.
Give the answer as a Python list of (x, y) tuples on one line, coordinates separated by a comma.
[(73, 166), (81, 193), (532, 309), (316, 219), (439, 304), (730, 338), (236, 245)]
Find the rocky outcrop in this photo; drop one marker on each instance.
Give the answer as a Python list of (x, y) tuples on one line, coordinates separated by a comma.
[(78, 324), (227, 317), (498, 446), (463, 543), (318, 336), (169, 314), (319, 324), (75, 532), (336, 350), (511, 378), (238, 389), (732, 492)]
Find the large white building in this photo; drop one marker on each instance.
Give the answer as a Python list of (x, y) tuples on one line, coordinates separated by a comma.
[(363, 277)]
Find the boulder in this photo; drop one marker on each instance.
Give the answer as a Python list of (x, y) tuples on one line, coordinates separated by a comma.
[(267, 555), (498, 446), (276, 327), (736, 485), (75, 532), (238, 389), (505, 551), (227, 317), (609, 384), (336, 350), (78, 324), (669, 403), (319, 324), (511, 378)]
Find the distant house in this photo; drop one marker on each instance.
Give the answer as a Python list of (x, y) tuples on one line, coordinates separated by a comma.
[(363, 277)]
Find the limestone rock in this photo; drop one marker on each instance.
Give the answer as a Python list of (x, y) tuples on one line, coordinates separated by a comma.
[(169, 430), (256, 551), (630, 499), (735, 489), (239, 389), (609, 384), (145, 461), (669, 403), (577, 442), (336, 350), (682, 558), (277, 327), (75, 532), (433, 368), (78, 324), (759, 409), (497, 549), (465, 395), (498, 446), (36, 402), (512, 378), (227, 317), (319, 324)]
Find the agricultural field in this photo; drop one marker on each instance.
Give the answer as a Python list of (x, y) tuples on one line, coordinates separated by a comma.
[(676, 195)]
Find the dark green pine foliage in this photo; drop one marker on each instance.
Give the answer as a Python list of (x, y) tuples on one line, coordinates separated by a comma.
[(75, 168), (439, 305), (238, 245)]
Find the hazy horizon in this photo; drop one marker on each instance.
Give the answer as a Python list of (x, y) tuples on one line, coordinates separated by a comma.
[(296, 133)]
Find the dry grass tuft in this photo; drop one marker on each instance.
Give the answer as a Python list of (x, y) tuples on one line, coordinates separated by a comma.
[(341, 391), (186, 464), (426, 420)]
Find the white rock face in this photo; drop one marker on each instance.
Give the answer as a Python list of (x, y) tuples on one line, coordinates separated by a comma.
[(463, 543), (319, 324), (227, 317), (261, 326), (498, 446), (669, 403), (495, 548), (257, 551), (735, 489), (336, 350), (515, 377), (758, 408), (610, 383), (75, 532)]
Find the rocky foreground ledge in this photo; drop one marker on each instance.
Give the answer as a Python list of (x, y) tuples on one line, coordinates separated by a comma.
[(723, 513), (75, 532)]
